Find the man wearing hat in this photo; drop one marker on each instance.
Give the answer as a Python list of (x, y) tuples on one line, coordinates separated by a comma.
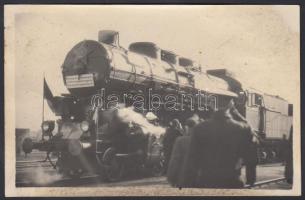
[(216, 148), (177, 159), (172, 132)]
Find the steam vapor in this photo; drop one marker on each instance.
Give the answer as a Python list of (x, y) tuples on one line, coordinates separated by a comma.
[(128, 115), (41, 177)]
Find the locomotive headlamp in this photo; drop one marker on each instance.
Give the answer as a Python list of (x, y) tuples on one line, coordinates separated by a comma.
[(85, 126), (47, 126)]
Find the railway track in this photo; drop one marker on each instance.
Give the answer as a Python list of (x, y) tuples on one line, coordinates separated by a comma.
[(24, 167), (67, 182), (95, 179), (32, 163)]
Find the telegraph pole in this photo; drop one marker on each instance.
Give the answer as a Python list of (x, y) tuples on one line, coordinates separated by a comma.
[(43, 98)]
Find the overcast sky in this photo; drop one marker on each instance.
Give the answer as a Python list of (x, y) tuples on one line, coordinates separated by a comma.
[(260, 44)]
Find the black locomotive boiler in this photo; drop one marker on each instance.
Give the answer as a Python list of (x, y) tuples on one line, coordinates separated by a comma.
[(89, 139)]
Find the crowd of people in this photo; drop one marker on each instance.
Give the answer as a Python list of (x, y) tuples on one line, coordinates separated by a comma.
[(203, 153), (211, 153)]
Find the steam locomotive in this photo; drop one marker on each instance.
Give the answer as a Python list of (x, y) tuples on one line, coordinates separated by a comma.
[(84, 138)]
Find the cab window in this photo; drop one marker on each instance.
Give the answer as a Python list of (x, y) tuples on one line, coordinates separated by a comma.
[(255, 99)]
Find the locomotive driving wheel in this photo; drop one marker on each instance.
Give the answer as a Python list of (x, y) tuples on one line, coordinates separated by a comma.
[(114, 170), (113, 167)]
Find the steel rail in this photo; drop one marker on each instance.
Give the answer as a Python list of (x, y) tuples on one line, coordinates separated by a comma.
[(60, 183), (31, 161), (265, 182)]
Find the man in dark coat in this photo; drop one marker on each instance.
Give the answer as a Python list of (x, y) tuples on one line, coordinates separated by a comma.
[(170, 136), (284, 148), (289, 160), (182, 143), (251, 157), (217, 147)]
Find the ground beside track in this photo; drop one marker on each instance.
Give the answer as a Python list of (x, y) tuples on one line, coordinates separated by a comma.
[(42, 174)]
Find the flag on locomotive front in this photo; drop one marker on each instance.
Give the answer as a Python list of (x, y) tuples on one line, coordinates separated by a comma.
[(47, 94)]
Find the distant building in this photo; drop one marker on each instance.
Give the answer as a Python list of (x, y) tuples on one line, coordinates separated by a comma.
[(21, 133)]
